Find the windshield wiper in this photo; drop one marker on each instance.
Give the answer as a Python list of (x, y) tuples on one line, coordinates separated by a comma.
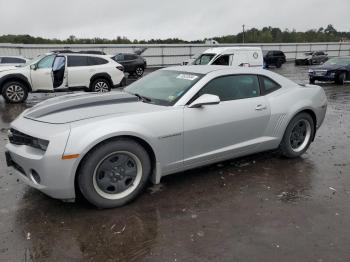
[(143, 98)]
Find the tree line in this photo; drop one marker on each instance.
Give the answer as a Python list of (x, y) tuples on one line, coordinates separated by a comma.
[(253, 35)]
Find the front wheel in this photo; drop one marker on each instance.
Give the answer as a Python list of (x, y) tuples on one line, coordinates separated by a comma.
[(298, 136), (340, 78), (100, 86), (278, 64), (114, 173), (14, 92)]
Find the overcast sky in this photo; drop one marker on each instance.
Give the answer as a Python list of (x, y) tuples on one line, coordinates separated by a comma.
[(186, 19)]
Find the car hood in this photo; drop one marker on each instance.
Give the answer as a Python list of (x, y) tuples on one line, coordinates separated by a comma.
[(7, 68), (328, 67), (76, 107), (303, 56)]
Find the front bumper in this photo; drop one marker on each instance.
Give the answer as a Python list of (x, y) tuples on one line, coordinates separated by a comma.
[(322, 76), (56, 176)]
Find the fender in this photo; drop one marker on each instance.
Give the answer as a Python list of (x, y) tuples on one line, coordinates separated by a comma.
[(13, 77), (101, 75), (91, 139)]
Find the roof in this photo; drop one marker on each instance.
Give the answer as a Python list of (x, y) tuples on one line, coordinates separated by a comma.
[(14, 56), (196, 69), (233, 48), (206, 69)]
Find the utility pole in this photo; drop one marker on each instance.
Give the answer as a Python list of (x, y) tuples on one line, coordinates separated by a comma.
[(243, 33)]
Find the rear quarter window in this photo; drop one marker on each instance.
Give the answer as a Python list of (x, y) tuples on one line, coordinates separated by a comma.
[(96, 61), (268, 85)]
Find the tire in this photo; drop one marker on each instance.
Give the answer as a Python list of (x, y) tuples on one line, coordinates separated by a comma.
[(100, 85), (15, 92), (139, 71), (104, 182), (312, 81), (298, 136), (278, 64), (123, 82), (340, 78)]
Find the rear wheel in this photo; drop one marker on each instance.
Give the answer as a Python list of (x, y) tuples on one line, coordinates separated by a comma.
[(114, 173), (100, 85), (139, 71), (123, 82), (340, 78), (14, 92), (298, 136)]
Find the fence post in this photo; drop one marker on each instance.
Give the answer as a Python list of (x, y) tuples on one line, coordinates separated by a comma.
[(339, 48), (296, 51), (162, 49)]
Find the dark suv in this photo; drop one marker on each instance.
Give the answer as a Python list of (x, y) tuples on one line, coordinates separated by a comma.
[(274, 57), (133, 64)]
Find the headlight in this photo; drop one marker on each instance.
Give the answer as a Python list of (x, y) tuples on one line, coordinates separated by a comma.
[(311, 71), (18, 138), (40, 143), (332, 74)]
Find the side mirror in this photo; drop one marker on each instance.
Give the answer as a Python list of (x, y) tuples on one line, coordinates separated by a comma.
[(204, 100), (33, 67)]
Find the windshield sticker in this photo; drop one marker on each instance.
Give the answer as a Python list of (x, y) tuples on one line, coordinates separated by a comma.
[(187, 77)]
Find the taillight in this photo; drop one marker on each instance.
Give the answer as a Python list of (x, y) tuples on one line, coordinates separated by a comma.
[(121, 68)]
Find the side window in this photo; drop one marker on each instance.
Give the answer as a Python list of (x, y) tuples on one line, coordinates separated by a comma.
[(46, 62), (232, 87), (74, 61), (268, 85), (12, 60), (96, 61), (222, 60), (129, 57), (59, 63)]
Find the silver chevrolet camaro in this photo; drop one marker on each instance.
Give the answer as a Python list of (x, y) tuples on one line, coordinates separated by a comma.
[(109, 145)]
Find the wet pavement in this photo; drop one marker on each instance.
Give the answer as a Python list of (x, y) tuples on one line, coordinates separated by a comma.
[(257, 208)]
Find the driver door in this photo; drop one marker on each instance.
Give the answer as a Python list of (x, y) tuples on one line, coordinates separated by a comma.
[(59, 72), (41, 74), (235, 125)]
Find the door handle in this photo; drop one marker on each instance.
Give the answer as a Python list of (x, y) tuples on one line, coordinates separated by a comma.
[(260, 107)]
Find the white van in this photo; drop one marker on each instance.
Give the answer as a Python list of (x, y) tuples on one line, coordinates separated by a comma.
[(231, 56)]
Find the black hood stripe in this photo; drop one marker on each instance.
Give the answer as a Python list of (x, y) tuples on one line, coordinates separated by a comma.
[(83, 102)]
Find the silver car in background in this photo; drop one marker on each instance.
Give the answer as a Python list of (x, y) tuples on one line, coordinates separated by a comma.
[(109, 145)]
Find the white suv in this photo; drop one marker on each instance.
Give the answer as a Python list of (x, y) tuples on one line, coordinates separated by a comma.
[(57, 71)]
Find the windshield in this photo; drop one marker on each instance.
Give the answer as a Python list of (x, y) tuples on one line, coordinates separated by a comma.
[(163, 87), (338, 61), (204, 59)]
